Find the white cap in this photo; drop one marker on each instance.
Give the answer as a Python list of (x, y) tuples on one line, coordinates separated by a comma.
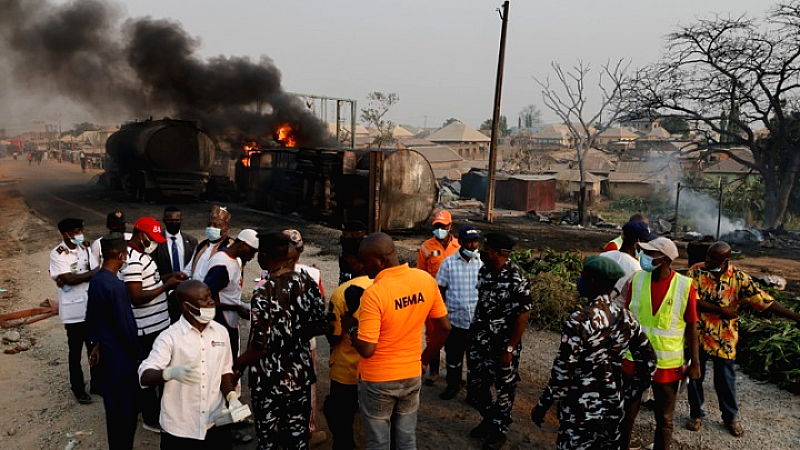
[(663, 245), (249, 237)]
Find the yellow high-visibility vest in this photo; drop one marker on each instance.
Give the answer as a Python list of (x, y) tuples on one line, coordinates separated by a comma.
[(617, 240), (666, 328)]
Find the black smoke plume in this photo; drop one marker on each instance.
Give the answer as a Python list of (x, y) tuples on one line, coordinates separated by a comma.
[(85, 50)]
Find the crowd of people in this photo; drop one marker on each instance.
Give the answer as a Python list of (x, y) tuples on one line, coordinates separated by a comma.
[(159, 315)]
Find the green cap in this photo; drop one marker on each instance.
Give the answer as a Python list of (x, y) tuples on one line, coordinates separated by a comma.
[(601, 267)]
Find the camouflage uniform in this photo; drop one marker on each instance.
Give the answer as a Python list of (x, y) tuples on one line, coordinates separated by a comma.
[(586, 378), (286, 311), (501, 298)]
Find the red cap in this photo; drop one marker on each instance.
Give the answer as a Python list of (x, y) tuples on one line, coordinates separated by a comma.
[(152, 228), (443, 217)]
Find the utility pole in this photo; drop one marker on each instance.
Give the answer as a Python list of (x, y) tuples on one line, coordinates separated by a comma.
[(496, 116)]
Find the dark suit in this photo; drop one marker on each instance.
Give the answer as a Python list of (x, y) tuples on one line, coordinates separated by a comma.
[(164, 264), (162, 253)]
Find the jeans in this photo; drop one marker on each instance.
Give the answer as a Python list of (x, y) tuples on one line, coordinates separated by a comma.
[(455, 347), (665, 395), (389, 413), (340, 409), (724, 384), (77, 339)]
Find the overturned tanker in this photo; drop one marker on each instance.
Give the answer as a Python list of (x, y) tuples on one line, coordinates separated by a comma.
[(159, 157)]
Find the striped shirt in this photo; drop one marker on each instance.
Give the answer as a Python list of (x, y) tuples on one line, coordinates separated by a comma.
[(460, 277), (151, 317)]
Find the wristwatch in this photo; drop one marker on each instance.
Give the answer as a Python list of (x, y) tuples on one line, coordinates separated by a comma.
[(510, 349), (352, 329)]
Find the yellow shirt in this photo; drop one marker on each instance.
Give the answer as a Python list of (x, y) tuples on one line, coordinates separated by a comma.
[(344, 358)]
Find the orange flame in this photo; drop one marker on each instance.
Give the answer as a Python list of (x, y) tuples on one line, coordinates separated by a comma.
[(249, 148), (285, 135)]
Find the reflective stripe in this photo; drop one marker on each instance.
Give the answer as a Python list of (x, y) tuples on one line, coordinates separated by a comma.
[(671, 333), (662, 355)]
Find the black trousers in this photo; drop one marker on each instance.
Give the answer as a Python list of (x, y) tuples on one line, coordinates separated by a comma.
[(121, 430), (150, 397), (77, 339), (455, 347), (340, 410), (217, 438)]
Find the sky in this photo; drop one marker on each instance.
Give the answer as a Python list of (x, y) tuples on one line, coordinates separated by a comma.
[(439, 56)]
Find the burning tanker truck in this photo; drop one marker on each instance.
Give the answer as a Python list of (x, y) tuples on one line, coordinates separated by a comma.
[(159, 157)]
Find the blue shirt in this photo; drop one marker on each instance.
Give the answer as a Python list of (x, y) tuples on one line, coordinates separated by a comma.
[(460, 277), (111, 324)]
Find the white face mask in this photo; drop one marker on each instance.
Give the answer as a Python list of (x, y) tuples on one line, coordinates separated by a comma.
[(440, 233), (151, 247), (470, 254), (206, 314)]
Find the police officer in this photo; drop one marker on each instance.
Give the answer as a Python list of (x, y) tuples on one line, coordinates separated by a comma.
[(70, 269), (501, 315), (587, 372)]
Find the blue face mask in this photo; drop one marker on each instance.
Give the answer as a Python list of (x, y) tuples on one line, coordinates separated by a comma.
[(470, 254), (213, 234), (639, 254), (646, 262), (718, 269), (583, 289), (440, 233), (77, 239)]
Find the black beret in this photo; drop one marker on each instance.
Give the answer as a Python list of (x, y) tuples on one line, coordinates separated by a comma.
[(271, 240), (69, 224), (499, 241)]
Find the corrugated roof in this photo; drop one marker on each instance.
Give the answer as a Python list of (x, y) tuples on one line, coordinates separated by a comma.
[(400, 132), (728, 166), (415, 142), (439, 153), (619, 133), (458, 132)]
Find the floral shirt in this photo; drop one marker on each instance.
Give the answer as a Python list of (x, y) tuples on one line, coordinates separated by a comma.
[(718, 336)]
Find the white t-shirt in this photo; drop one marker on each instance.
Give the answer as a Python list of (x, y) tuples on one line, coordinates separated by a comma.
[(72, 299), (232, 293), (153, 316), (629, 265)]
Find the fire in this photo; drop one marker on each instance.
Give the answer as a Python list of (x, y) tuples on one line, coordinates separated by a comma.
[(285, 135), (249, 148)]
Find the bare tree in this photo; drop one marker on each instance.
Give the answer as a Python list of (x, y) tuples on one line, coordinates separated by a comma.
[(373, 113), (530, 116), (568, 99), (736, 81)]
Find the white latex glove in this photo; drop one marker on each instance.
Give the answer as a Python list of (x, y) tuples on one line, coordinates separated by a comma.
[(184, 373), (233, 400)]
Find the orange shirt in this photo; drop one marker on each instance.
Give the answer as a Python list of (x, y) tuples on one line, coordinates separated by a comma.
[(432, 253), (392, 313)]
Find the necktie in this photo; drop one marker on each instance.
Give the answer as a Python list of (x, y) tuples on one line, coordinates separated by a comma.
[(176, 259)]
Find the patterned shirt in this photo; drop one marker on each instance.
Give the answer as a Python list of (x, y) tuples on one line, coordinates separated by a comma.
[(501, 298), (586, 378), (286, 312), (718, 336), (460, 278)]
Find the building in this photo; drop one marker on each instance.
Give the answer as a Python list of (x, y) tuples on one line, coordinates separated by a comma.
[(470, 144)]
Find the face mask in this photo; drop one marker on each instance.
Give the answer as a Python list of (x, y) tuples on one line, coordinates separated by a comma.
[(440, 233), (470, 254), (173, 228), (647, 263), (718, 269), (583, 289), (77, 239), (213, 234), (206, 314), (151, 247), (639, 254)]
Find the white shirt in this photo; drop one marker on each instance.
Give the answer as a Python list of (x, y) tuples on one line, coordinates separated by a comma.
[(203, 259), (178, 242), (188, 411), (72, 300), (232, 293), (97, 253), (629, 265), (152, 316)]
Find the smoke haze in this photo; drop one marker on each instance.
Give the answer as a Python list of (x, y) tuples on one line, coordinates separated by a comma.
[(122, 69)]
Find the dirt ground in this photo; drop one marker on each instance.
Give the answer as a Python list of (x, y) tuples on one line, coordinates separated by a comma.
[(37, 409)]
